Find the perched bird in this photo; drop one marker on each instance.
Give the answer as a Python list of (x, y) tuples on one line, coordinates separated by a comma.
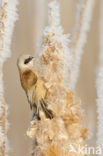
[(33, 86)]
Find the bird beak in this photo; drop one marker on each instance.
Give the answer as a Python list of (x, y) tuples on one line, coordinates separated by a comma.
[(33, 58)]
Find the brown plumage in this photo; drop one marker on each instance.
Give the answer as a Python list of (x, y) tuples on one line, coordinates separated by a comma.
[(33, 86), (28, 79)]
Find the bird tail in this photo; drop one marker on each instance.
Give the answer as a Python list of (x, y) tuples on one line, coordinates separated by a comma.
[(48, 112)]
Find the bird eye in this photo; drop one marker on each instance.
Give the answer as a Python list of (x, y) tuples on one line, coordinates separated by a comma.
[(28, 60)]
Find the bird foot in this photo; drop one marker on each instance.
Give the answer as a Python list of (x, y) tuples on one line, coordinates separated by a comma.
[(35, 116)]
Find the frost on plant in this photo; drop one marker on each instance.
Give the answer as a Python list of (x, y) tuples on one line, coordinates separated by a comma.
[(79, 38), (53, 64), (55, 52), (7, 18), (99, 85)]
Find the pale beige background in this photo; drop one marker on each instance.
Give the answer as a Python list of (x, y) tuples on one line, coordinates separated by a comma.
[(32, 20)]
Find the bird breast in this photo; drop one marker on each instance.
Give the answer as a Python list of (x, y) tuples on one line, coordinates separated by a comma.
[(28, 79)]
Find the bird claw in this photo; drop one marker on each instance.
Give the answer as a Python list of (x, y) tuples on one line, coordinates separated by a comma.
[(38, 117), (35, 116)]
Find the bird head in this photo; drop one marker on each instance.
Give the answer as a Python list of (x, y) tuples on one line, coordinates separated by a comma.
[(25, 62)]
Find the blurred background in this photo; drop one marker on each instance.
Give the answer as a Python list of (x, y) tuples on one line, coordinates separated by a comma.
[(32, 20)]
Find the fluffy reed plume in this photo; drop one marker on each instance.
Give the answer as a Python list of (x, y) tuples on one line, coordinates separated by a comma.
[(82, 26), (100, 86), (7, 18), (56, 137)]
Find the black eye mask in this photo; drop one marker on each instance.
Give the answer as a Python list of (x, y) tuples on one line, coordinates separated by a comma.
[(28, 60)]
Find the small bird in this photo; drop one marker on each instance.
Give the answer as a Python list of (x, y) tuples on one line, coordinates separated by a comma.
[(33, 86)]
